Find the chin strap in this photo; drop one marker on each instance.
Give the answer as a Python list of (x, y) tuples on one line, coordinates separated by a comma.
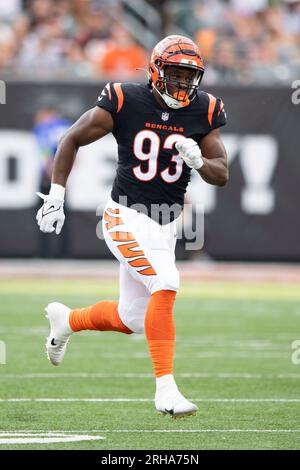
[(171, 102)]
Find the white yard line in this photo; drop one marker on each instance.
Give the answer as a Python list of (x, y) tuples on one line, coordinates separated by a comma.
[(188, 375), (236, 355), (284, 353), (205, 355), (102, 431), (48, 437), (146, 400)]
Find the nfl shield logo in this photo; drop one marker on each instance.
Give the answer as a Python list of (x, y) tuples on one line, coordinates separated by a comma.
[(165, 116)]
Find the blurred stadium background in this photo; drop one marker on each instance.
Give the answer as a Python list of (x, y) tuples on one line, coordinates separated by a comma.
[(238, 312)]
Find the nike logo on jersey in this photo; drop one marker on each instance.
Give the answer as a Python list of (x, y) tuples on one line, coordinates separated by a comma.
[(103, 93), (52, 342)]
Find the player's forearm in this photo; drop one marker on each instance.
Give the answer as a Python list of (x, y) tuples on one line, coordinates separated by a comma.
[(64, 160), (214, 171), (91, 126)]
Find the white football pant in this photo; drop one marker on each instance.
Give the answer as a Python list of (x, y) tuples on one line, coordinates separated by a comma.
[(146, 252)]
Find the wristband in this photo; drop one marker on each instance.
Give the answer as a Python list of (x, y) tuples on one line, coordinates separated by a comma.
[(57, 192), (200, 164)]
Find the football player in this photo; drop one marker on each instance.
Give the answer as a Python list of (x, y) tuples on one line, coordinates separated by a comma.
[(164, 130)]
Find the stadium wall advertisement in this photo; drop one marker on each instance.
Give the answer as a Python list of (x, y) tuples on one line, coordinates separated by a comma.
[(254, 217)]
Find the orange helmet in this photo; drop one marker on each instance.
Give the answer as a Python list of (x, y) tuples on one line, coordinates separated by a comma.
[(167, 56)]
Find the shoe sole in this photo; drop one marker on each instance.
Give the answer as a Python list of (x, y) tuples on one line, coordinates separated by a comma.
[(179, 415)]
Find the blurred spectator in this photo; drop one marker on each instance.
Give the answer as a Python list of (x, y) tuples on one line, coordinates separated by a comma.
[(10, 9), (37, 14), (7, 46), (162, 7), (49, 127), (241, 41), (43, 50), (291, 18), (248, 7), (207, 38), (123, 56)]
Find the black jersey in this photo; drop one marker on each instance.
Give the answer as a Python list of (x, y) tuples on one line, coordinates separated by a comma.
[(150, 173)]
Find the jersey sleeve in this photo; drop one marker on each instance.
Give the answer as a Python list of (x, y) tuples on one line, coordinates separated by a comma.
[(111, 98), (216, 114)]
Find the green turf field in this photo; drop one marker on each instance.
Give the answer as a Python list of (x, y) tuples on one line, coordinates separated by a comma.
[(233, 358)]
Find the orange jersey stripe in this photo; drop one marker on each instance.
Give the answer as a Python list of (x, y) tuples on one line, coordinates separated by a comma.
[(112, 221), (120, 95), (211, 108), (127, 251), (122, 236)]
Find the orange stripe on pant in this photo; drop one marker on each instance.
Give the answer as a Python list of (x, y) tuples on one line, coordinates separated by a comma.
[(160, 331), (114, 211), (112, 221), (127, 251), (139, 263), (122, 236), (148, 271), (102, 316)]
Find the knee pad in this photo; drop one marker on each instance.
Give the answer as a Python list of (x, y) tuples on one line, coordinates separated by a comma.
[(133, 315)]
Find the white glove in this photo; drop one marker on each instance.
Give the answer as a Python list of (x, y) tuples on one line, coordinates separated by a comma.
[(52, 211), (190, 152)]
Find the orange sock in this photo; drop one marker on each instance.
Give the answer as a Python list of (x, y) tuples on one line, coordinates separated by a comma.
[(102, 316), (160, 331)]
